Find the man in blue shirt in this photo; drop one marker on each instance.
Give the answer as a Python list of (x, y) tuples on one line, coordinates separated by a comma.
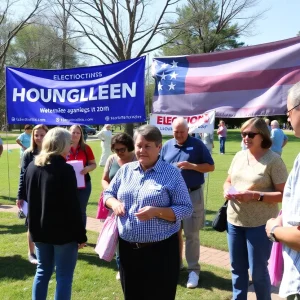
[(279, 139), (193, 159)]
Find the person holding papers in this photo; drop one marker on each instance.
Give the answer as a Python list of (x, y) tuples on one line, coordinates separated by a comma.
[(37, 136), (254, 187), (54, 216), (82, 152)]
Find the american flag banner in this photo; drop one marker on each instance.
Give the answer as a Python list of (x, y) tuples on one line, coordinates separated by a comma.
[(244, 82)]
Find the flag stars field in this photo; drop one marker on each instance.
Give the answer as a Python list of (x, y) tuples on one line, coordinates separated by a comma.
[(174, 64), (171, 86)]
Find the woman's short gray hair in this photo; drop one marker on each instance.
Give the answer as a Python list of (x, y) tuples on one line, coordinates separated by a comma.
[(54, 143), (294, 94), (150, 133)]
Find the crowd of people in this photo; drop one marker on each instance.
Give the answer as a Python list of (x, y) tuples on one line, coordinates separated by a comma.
[(156, 193)]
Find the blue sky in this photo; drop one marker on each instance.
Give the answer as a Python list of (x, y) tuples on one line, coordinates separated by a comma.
[(281, 21)]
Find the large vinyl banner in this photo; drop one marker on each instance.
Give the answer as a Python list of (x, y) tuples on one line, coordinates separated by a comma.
[(92, 95), (245, 82)]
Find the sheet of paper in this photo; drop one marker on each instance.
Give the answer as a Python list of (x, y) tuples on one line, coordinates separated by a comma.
[(25, 208), (232, 190), (78, 166)]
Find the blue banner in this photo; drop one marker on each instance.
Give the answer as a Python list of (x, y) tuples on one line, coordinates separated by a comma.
[(112, 93)]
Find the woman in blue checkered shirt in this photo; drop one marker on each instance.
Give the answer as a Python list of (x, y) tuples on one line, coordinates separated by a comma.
[(150, 198)]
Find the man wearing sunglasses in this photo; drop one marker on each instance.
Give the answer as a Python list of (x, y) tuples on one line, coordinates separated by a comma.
[(279, 139), (286, 228)]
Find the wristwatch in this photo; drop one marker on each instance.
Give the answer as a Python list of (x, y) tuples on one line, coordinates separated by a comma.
[(261, 197), (272, 235)]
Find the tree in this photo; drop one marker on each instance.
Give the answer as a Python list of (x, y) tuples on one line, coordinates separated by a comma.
[(9, 29), (60, 19), (39, 46), (121, 29), (14, 27), (205, 26)]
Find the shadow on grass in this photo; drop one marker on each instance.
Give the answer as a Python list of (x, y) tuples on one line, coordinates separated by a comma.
[(7, 198), (13, 229), (94, 260), (208, 281), (93, 204), (15, 267)]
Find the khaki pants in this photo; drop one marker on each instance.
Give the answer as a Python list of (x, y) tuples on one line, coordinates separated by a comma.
[(191, 227)]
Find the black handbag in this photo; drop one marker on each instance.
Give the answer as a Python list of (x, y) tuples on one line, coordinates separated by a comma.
[(219, 222)]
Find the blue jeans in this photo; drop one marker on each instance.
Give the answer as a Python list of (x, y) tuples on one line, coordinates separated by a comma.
[(222, 144), (84, 195), (63, 258), (249, 247)]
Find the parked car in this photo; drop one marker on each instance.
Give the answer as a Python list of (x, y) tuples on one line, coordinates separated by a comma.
[(88, 130)]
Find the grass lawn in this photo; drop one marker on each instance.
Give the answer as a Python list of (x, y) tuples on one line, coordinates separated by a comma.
[(9, 139), (93, 279), (214, 195)]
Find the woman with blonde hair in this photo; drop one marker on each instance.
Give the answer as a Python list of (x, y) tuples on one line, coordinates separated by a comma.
[(254, 187), (54, 215), (82, 151), (37, 136)]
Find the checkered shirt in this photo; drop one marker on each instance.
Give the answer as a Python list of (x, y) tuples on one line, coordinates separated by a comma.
[(160, 186)]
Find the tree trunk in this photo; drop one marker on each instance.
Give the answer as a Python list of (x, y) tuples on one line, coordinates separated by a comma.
[(129, 128)]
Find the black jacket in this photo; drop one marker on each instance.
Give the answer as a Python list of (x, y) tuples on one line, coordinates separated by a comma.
[(26, 160), (54, 214)]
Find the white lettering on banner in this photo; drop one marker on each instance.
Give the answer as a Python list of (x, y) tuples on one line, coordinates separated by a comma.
[(115, 91), (105, 92), (130, 91), (44, 110), (91, 95), (70, 94), (77, 76), (61, 97)]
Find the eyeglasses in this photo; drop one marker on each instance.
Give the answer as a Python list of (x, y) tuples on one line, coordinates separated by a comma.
[(288, 111), (120, 150), (250, 134)]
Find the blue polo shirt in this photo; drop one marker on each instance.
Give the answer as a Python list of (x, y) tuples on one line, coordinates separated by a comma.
[(194, 151), (277, 137)]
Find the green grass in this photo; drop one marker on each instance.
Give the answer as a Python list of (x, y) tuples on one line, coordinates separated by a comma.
[(8, 139), (93, 279), (208, 236)]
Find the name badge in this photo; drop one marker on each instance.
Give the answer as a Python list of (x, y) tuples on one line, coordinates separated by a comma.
[(189, 148)]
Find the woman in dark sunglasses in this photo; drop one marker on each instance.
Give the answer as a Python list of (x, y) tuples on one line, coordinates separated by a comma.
[(122, 146), (254, 188)]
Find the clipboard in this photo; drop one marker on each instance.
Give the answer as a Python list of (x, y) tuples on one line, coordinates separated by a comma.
[(78, 166)]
